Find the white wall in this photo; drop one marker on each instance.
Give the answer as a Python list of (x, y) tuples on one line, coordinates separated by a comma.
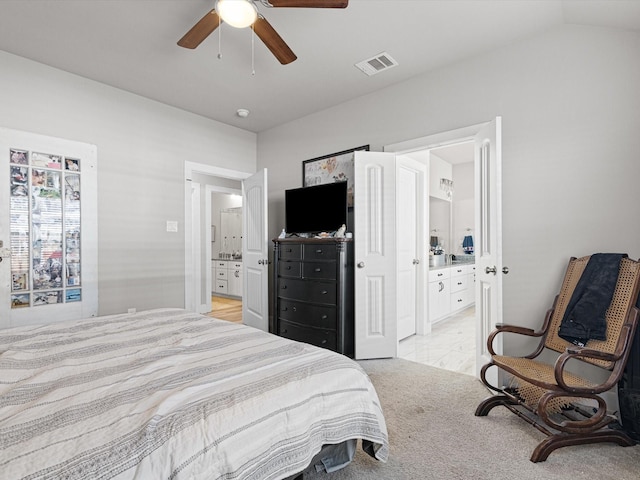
[(570, 104), (463, 216), (142, 146)]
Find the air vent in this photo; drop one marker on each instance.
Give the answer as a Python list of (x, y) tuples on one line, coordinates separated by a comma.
[(377, 64)]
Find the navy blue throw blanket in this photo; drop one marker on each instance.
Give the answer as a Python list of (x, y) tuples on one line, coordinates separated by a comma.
[(584, 318)]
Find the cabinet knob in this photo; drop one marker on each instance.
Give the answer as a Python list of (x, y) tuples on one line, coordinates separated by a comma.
[(441, 286), (360, 264), (505, 270)]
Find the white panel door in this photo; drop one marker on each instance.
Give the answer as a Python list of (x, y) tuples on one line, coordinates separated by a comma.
[(411, 177), (375, 255), (255, 252), (488, 212), (48, 229)]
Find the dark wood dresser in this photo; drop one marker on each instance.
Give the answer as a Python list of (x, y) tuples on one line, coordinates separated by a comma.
[(314, 292)]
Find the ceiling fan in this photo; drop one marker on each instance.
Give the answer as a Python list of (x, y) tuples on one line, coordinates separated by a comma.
[(244, 13)]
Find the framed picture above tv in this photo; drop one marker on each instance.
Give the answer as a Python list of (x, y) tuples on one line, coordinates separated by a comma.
[(335, 167)]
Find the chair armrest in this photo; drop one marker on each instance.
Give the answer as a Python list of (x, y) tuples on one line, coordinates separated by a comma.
[(578, 353), (502, 328)]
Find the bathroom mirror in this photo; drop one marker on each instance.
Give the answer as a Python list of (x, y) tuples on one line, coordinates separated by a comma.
[(231, 233)]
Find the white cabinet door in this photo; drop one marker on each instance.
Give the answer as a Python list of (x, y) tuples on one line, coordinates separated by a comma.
[(234, 275)]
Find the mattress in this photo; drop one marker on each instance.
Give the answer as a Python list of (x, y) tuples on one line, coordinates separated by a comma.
[(171, 394)]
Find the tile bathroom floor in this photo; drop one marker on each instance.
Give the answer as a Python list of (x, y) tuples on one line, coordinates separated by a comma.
[(450, 345)]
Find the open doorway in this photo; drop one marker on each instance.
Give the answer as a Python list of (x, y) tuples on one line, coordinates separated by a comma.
[(226, 255), (451, 341)]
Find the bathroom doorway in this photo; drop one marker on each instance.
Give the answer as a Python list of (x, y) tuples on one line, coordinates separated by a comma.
[(451, 342), (226, 255)]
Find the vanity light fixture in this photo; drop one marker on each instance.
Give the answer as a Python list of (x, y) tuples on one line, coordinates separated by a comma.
[(237, 13), (447, 186)]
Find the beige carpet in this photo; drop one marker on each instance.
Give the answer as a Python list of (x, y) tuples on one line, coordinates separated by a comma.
[(434, 434)]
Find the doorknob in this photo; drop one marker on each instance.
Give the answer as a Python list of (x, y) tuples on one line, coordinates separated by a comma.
[(505, 270), (360, 264), (493, 270), (416, 261)]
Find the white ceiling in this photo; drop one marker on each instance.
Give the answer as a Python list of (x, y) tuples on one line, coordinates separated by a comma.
[(131, 44)]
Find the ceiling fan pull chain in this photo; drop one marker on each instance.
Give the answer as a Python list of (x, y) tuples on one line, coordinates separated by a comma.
[(219, 39), (253, 51)]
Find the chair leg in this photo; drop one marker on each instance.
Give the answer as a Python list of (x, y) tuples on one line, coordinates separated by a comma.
[(544, 448), (494, 401)]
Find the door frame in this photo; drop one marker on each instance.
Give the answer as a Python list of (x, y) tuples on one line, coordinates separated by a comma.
[(442, 139), (192, 295)]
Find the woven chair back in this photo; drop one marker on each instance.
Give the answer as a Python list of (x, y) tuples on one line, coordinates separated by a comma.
[(623, 299)]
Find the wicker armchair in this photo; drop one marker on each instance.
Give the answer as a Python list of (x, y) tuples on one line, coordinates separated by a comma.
[(564, 405)]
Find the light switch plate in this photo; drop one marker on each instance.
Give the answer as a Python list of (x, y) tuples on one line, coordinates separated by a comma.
[(172, 226)]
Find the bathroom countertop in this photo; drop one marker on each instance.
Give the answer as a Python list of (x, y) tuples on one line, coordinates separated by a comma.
[(460, 260)]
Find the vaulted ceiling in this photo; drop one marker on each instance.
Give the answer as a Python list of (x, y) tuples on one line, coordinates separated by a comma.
[(131, 45)]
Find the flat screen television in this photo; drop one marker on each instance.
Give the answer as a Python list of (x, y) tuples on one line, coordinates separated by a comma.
[(320, 208)]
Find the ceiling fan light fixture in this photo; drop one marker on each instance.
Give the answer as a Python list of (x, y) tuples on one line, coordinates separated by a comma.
[(237, 13)]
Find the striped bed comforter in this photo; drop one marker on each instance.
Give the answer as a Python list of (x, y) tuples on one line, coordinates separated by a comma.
[(172, 394)]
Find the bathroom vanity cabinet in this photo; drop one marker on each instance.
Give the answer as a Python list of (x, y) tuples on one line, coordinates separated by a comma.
[(451, 289)]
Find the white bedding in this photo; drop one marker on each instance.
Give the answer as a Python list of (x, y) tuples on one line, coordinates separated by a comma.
[(172, 394)]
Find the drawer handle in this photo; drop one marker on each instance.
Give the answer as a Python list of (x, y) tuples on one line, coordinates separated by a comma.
[(284, 330), (294, 309), (459, 300), (284, 309), (441, 286), (324, 317), (318, 270), (319, 250), (459, 283), (324, 342), (324, 292), (284, 287), (440, 274), (288, 267)]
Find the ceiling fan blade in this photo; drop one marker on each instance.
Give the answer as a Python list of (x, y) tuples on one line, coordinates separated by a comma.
[(201, 30), (273, 41), (310, 3)]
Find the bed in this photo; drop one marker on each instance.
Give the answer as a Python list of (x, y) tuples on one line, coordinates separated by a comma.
[(169, 394)]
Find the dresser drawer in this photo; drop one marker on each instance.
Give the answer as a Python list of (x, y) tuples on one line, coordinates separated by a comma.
[(221, 286), (290, 252), (439, 274), (319, 252), (309, 291), (222, 274), (290, 269), (307, 314), (459, 283), (325, 270), (314, 336), (221, 264)]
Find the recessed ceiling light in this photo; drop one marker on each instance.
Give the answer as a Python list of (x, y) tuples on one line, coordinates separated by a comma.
[(242, 112)]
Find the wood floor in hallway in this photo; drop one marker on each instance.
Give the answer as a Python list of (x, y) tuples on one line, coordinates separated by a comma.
[(224, 308)]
